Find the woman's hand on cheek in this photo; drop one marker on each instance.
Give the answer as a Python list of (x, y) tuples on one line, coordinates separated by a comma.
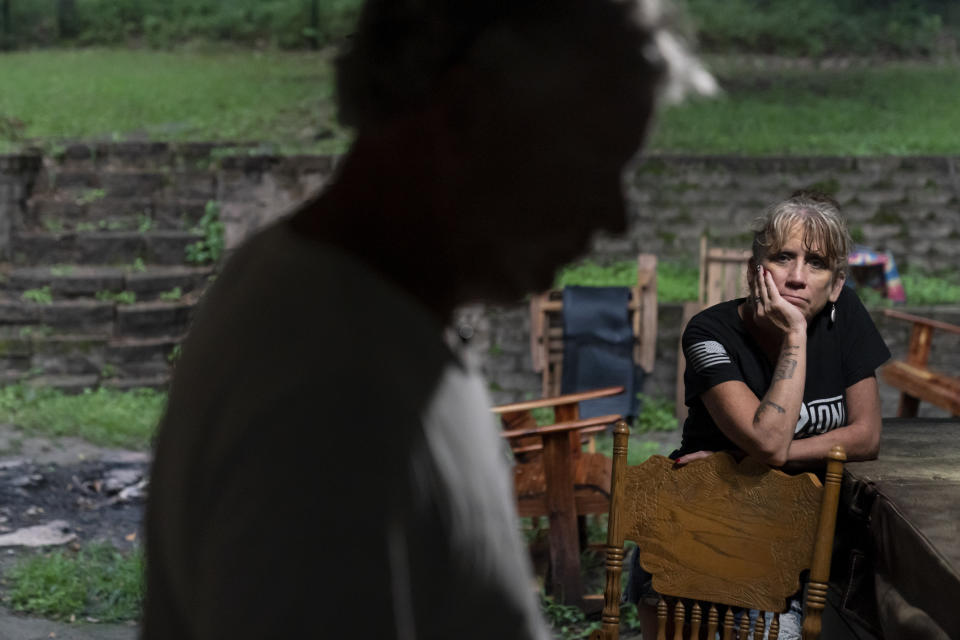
[(774, 309)]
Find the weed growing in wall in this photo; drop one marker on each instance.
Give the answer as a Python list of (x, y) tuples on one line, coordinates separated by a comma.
[(118, 297), (210, 247), (41, 295), (173, 295)]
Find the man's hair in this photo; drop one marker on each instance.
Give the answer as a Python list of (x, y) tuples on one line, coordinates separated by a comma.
[(818, 215), (402, 48)]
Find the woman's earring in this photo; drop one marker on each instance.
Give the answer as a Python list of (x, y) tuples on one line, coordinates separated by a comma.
[(833, 312)]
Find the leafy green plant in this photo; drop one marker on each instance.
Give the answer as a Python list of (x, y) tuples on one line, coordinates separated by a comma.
[(921, 289), (210, 247), (112, 225), (588, 273), (98, 582), (60, 270), (105, 417), (638, 450), (173, 295), (931, 288), (53, 225), (35, 331), (86, 227), (543, 415), (119, 297), (629, 617), (108, 371), (89, 196), (815, 28), (137, 266), (656, 414), (144, 223), (175, 354), (163, 24), (563, 619), (676, 281), (42, 295)]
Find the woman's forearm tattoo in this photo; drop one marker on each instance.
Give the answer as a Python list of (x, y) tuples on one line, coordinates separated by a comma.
[(785, 369), (763, 407), (787, 364)]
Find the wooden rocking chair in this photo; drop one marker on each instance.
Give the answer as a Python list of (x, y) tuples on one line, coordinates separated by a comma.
[(717, 534)]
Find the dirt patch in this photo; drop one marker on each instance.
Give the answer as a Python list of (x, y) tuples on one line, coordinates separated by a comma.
[(98, 492), (67, 490)]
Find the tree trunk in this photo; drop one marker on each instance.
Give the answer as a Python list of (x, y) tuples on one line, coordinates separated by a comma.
[(67, 18), (315, 23), (5, 17)]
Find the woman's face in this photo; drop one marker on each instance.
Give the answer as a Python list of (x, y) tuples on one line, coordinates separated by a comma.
[(803, 276)]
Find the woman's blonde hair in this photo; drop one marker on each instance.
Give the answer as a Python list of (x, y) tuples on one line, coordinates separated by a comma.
[(819, 217)]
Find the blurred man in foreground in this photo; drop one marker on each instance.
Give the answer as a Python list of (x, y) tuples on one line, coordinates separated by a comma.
[(327, 464)]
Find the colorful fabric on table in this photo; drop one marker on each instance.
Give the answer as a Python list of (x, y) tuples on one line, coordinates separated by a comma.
[(892, 285)]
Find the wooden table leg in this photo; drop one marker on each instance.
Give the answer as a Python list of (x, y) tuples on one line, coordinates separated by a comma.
[(564, 536)]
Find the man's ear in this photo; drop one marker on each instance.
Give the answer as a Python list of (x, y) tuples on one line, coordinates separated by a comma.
[(838, 282)]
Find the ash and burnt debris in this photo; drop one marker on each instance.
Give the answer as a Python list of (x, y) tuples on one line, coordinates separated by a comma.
[(49, 504)]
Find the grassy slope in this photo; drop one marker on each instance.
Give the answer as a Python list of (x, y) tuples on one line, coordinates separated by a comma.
[(893, 110), (282, 98), (285, 98)]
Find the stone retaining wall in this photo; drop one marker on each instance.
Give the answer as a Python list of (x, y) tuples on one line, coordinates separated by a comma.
[(17, 176), (908, 205)]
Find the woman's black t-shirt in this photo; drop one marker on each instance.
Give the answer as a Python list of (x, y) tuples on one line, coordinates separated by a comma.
[(719, 348)]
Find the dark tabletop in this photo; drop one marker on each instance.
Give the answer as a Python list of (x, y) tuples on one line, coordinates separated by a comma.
[(897, 555), (919, 471)]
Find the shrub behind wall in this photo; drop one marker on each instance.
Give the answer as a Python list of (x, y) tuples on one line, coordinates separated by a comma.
[(163, 23)]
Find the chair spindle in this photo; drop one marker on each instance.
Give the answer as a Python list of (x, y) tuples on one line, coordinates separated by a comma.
[(662, 619), (678, 614), (695, 617), (728, 624), (712, 621), (774, 628), (744, 632)]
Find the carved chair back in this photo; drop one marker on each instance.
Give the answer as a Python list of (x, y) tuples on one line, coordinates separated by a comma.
[(718, 535)]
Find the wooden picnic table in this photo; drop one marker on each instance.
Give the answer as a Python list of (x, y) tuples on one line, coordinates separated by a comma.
[(896, 569)]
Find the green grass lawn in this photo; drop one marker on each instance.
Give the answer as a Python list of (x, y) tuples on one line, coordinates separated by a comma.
[(97, 582), (283, 98), (104, 417), (904, 109), (286, 99)]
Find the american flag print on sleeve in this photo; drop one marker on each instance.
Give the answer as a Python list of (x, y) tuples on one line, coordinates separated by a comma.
[(706, 354)]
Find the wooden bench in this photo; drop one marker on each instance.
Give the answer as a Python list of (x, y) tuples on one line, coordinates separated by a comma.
[(546, 326), (913, 377)]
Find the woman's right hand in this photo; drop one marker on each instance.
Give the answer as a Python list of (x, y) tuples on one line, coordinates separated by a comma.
[(771, 308)]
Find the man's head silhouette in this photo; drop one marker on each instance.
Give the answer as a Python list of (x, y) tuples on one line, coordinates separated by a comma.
[(514, 120)]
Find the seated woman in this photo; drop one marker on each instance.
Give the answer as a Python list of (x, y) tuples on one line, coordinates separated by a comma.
[(787, 373)]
